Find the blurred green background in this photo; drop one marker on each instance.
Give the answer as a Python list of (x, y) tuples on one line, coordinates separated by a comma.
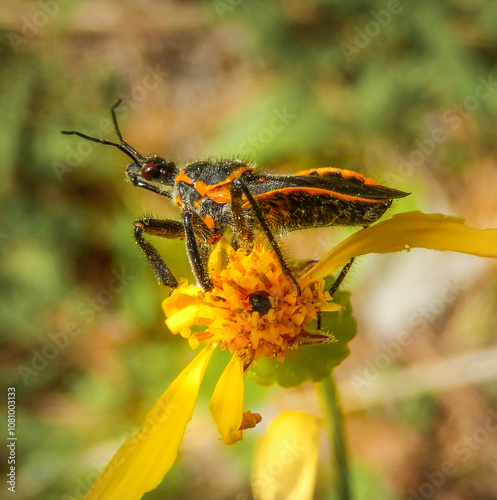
[(403, 91)]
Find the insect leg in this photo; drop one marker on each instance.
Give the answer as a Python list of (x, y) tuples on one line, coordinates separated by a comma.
[(166, 229), (239, 189), (196, 229), (341, 276), (338, 282), (241, 223)]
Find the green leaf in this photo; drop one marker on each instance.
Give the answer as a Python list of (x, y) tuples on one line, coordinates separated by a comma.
[(311, 362)]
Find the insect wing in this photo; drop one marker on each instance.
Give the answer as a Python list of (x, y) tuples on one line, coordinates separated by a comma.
[(347, 182), (344, 184), (322, 197)]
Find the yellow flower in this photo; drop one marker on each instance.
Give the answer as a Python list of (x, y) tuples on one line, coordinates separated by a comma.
[(230, 318), (286, 458), (230, 321), (255, 312)]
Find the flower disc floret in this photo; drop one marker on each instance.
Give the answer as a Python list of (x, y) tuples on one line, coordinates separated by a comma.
[(229, 317)]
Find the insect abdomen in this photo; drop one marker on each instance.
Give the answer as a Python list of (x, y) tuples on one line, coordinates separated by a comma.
[(300, 210)]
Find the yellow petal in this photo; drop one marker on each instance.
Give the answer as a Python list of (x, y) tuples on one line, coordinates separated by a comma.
[(286, 459), (183, 318), (218, 258), (180, 307), (331, 307), (142, 461), (227, 401), (410, 230)]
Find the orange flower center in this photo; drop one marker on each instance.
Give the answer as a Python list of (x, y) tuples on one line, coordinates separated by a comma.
[(254, 309)]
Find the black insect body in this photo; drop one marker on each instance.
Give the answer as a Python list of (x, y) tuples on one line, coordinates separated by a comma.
[(260, 302), (217, 196)]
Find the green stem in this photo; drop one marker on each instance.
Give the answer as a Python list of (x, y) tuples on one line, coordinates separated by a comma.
[(334, 419)]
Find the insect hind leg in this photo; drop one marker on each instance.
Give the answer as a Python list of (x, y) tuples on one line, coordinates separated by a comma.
[(341, 277), (239, 189), (336, 285)]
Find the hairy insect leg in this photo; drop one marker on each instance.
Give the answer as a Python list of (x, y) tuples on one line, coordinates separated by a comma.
[(338, 282), (241, 222), (164, 228), (238, 190), (195, 231), (341, 276)]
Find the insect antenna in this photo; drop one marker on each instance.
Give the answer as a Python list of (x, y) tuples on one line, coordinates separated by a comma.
[(123, 146)]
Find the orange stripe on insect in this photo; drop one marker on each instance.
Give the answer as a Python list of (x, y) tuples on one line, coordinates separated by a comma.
[(221, 192), (345, 174), (317, 191), (182, 177), (201, 187), (209, 222)]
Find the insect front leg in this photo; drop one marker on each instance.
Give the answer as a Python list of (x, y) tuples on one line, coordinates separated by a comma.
[(197, 231), (165, 229), (238, 190)]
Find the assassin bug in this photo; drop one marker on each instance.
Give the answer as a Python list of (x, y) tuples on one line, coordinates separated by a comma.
[(217, 196)]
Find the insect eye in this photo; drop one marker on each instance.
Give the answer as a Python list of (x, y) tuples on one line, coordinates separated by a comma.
[(259, 301), (149, 171)]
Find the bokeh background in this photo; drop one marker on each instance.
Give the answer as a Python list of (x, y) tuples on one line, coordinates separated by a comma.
[(403, 91)]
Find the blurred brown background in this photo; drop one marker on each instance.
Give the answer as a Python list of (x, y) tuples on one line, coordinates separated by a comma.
[(402, 91)]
